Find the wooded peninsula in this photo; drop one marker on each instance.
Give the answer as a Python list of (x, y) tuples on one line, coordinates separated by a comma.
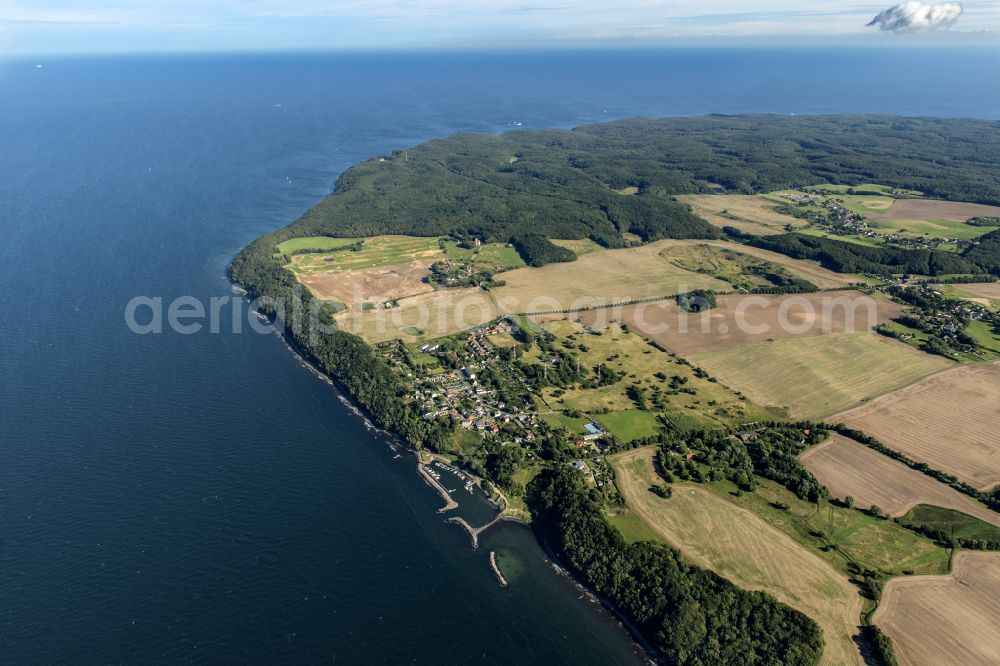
[(545, 198)]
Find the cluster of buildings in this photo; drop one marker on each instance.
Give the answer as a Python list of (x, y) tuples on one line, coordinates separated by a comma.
[(944, 317), (840, 221), (458, 394)]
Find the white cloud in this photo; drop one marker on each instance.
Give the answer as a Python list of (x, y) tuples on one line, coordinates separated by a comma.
[(913, 16)]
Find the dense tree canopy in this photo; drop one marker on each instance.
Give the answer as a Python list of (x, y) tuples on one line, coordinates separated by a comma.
[(538, 250), (690, 615), (575, 184)]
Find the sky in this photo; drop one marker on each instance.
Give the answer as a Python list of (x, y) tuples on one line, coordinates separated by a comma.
[(96, 26)]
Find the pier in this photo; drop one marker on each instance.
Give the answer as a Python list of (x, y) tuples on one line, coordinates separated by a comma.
[(496, 569), (449, 503), (474, 532)]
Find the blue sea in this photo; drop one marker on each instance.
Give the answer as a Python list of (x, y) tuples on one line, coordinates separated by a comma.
[(204, 498)]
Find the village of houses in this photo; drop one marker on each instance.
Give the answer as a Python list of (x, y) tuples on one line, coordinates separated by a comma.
[(458, 395)]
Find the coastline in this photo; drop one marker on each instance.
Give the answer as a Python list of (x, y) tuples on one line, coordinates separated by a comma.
[(638, 640), (348, 401)]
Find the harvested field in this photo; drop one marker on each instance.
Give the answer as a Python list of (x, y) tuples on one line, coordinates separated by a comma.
[(848, 468), (743, 271), (750, 214), (989, 291), (739, 320), (812, 377), (386, 268), (952, 619), (373, 285), (422, 317), (716, 534), (807, 270), (582, 246), (375, 252), (597, 278), (935, 209), (948, 421)]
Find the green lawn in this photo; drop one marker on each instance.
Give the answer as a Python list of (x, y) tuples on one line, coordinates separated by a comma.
[(466, 441), (374, 252), (575, 424), (630, 425), (428, 361), (492, 254), (984, 336), (918, 335), (632, 528), (977, 330), (858, 240), (318, 243)]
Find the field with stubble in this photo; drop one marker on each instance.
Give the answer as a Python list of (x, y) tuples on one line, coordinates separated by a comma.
[(750, 214), (736, 321), (373, 285), (813, 377), (735, 543), (949, 421), (989, 291), (598, 278), (421, 318), (952, 619), (850, 469)]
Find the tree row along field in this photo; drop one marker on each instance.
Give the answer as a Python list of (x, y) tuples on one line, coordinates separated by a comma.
[(948, 421), (750, 552), (850, 469)]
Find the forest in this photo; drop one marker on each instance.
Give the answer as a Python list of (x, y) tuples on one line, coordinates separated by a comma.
[(605, 181), (770, 451), (688, 614), (537, 250)]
